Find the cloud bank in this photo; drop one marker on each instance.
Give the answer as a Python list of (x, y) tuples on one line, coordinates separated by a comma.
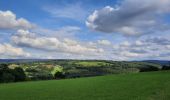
[(11, 51), (28, 39)]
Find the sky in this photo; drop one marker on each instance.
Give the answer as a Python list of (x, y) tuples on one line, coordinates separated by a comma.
[(85, 29)]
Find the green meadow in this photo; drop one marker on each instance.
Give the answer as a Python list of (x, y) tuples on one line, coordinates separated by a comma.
[(136, 86)]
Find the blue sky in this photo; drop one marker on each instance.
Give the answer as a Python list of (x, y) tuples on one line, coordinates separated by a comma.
[(34, 10), (85, 29)]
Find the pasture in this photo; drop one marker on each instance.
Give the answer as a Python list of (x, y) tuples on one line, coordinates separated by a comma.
[(136, 86)]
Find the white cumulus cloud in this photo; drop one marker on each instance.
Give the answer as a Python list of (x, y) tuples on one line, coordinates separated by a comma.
[(11, 51), (131, 17), (104, 42), (28, 39), (8, 20)]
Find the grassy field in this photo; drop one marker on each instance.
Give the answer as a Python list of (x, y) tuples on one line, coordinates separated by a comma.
[(91, 64), (139, 86)]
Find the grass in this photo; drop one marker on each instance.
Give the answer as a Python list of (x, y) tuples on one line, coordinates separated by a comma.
[(91, 64), (139, 86)]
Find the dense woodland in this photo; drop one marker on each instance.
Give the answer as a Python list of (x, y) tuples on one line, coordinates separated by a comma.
[(61, 69)]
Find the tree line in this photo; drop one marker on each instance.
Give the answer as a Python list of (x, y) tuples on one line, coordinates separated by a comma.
[(11, 75), (18, 74), (73, 70)]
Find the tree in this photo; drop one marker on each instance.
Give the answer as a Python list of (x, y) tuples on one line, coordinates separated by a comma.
[(166, 67), (58, 72), (19, 74), (59, 75), (148, 68), (6, 74), (3, 67), (7, 77)]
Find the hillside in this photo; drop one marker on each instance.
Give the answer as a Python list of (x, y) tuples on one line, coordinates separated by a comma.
[(161, 62), (54, 69), (139, 86)]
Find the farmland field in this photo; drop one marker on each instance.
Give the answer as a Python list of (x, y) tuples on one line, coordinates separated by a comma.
[(137, 86)]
